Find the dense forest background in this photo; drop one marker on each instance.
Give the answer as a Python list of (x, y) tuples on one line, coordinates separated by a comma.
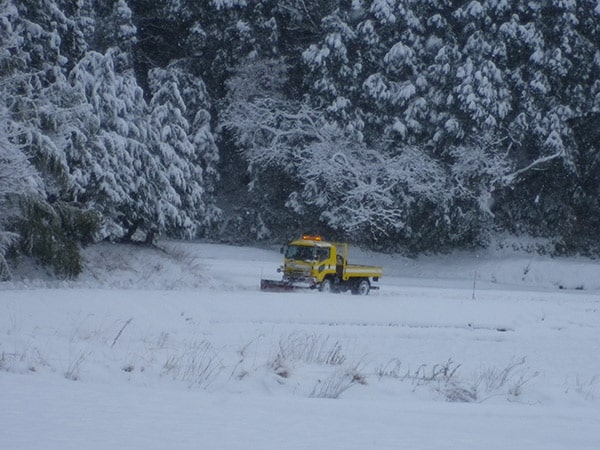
[(405, 125)]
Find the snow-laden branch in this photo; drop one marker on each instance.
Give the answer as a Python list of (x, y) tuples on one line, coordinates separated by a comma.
[(17, 175), (18, 77), (272, 132), (510, 178)]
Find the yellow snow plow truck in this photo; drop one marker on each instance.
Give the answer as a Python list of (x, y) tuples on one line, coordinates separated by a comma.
[(311, 263)]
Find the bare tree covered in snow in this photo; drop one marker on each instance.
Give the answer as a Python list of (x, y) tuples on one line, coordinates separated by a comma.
[(324, 170), (362, 191)]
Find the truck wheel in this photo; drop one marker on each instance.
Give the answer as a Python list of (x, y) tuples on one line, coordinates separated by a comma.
[(362, 288), (326, 285)]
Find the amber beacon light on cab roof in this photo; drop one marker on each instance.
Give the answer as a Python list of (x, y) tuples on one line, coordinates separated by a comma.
[(313, 263)]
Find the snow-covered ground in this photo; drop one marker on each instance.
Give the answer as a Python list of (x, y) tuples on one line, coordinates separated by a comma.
[(178, 349)]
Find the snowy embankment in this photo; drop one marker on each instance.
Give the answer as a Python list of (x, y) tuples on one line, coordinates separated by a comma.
[(179, 349)]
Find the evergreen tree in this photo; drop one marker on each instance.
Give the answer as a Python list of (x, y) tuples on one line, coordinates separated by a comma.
[(109, 159), (181, 208), (43, 110), (18, 182)]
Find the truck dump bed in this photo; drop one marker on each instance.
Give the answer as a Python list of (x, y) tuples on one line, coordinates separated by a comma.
[(359, 270)]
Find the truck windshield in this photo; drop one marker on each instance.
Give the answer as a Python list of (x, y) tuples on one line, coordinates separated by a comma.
[(301, 252)]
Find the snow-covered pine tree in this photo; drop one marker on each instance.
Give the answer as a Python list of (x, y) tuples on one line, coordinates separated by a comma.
[(181, 208), (18, 181), (43, 110), (123, 35), (212, 36), (206, 154), (481, 95), (114, 168), (104, 167), (33, 82), (335, 70)]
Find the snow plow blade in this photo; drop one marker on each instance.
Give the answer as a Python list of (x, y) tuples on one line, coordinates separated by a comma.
[(279, 286)]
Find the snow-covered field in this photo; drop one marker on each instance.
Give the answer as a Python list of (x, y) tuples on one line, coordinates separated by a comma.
[(178, 349)]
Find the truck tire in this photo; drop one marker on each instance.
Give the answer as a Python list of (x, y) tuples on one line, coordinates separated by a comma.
[(362, 288), (326, 285)]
